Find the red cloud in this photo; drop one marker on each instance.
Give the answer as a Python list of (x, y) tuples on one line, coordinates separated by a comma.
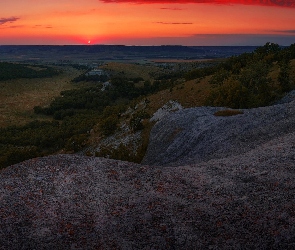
[(282, 3), (8, 20)]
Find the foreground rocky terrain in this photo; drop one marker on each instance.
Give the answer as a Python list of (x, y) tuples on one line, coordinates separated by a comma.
[(196, 134), (206, 182)]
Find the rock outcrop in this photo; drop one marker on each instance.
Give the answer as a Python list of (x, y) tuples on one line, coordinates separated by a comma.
[(195, 135), (235, 191)]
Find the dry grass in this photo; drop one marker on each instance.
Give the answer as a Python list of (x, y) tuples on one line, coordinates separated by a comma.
[(189, 94), (132, 70), (18, 97)]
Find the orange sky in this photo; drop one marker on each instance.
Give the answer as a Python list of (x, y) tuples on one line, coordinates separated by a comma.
[(147, 22)]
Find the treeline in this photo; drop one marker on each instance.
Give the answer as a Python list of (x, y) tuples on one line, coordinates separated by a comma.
[(74, 114), (244, 81), (18, 143), (10, 71), (94, 78), (238, 82)]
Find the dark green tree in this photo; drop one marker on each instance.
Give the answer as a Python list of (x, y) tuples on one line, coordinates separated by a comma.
[(284, 78), (109, 125)]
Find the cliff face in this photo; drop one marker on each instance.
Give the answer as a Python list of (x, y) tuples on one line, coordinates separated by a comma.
[(194, 135), (219, 183)]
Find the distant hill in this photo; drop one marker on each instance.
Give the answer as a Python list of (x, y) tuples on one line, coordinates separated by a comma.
[(88, 53)]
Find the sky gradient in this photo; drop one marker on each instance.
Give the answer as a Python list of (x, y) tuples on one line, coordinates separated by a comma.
[(147, 22)]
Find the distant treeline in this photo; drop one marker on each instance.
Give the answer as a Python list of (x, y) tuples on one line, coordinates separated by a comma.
[(10, 71)]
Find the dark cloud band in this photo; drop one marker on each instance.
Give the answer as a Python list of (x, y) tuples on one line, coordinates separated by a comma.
[(174, 23), (283, 3), (8, 20), (288, 31)]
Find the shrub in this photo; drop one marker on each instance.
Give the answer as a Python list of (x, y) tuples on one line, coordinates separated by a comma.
[(230, 94), (76, 142), (136, 120), (122, 153), (13, 154), (113, 110), (284, 78), (61, 114), (109, 125)]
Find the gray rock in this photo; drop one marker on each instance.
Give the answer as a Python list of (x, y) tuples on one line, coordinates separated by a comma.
[(195, 135)]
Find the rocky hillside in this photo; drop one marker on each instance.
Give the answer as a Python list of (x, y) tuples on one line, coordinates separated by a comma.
[(207, 182), (195, 135)]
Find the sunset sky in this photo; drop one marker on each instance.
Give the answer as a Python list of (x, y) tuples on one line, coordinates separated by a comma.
[(147, 22)]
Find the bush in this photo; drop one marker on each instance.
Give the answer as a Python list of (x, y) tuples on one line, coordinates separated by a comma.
[(230, 94), (76, 142), (14, 71), (122, 153), (109, 125), (12, 154), (219, 77), (284, 78), (136, 120), (61, 114)]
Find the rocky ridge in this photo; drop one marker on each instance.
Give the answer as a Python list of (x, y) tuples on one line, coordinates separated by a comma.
[(207, 182), (195, 135)]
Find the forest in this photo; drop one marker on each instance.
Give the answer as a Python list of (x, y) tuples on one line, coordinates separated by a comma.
[(14, 71), (238, 82)]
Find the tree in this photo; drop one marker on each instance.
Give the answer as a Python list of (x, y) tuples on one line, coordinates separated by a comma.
[(219, 77), (230, 94), (284, 78), (109, 125), (136, 120), (268, 48)]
